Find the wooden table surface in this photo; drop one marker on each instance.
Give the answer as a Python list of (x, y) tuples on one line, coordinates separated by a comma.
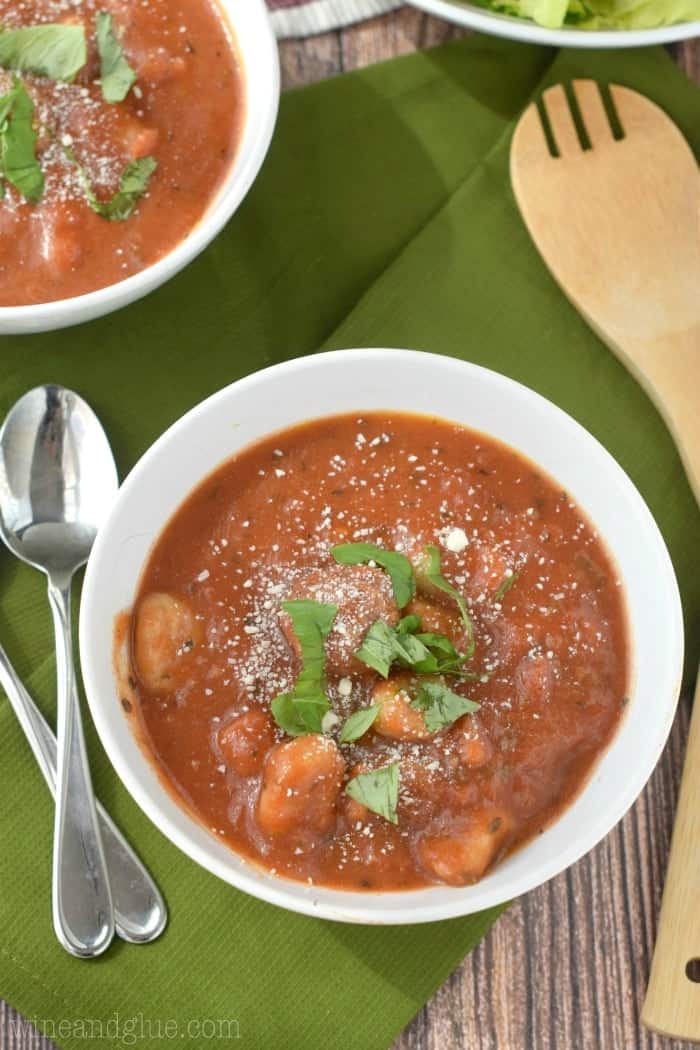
[(565, 968)]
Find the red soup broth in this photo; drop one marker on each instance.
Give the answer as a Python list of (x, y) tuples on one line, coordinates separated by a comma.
[(210, 647)]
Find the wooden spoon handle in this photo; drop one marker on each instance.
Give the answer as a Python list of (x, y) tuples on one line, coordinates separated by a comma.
[(668, 369), (672, 1004), (671, 371)]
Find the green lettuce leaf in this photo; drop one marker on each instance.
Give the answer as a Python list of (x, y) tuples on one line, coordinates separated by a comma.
[(639, 14), (599, 14)]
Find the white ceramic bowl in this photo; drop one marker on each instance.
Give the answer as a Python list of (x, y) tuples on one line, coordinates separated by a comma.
[(485, 21), (256, 48), (352, 380)]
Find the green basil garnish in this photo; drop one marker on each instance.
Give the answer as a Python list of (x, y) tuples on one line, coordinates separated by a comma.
[(378, 790), (302, 709), (132, 186), (441, 706), (505, 586), (384, 645), (395, 564), (405, 645), (435, 577), (358, 723), (58, 52), (18, 160), (116, 75)]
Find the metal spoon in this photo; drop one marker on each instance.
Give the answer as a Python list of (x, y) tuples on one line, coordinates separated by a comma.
[(139, 910), (57, 482)]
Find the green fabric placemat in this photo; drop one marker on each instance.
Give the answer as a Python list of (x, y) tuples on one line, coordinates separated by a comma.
[(383, 216)]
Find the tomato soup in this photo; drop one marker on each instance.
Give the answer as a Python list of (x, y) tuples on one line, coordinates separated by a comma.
[(376, 652), (125, 118)]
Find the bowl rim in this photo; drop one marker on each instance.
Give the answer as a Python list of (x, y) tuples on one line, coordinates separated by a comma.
[(256, 136), (353, 906), (514, 28)]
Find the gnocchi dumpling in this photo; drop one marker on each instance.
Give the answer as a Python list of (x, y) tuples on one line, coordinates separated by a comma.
[(396, 718), (462, 856), (301, 782), (245, 740), (165, 632)]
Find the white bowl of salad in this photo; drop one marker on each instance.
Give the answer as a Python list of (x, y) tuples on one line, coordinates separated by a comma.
[(575, 23)]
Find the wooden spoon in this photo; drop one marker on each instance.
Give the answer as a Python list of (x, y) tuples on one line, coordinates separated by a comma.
[(617, 223)]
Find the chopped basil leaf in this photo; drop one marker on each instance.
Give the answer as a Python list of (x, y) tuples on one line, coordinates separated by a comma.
[(301, 710), (378, 790), (116, 75), (378, 649), (440, 706), (358, 723), (505, 586), (54, 51), (396, 565), (286, 715), (384, 645), (425, 653), (409, 624), (18, 160), (132, 186), (442, 657), (435, 577)]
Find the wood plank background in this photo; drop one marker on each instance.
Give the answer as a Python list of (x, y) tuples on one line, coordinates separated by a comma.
[(566, 967)]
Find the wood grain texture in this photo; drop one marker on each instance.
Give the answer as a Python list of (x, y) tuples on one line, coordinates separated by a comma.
[(602, 253), (377, 39), (672, 1004), (566, 967)]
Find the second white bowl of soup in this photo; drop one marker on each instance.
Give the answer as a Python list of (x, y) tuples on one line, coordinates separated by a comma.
[(133, 171), (371, 664)]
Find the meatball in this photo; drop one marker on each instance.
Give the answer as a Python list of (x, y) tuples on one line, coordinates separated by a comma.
[(363, 595), (396, 718), (245, 741), (462, 856), (301, 782), (165, 633)]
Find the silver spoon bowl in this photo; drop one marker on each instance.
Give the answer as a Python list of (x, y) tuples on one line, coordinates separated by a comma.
[(58, 481)]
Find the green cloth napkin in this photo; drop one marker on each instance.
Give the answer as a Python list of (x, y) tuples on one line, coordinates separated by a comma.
[(383, 216)]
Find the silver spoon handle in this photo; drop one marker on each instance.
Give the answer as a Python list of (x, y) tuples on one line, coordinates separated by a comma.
[(139, 910), (83, 914)]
